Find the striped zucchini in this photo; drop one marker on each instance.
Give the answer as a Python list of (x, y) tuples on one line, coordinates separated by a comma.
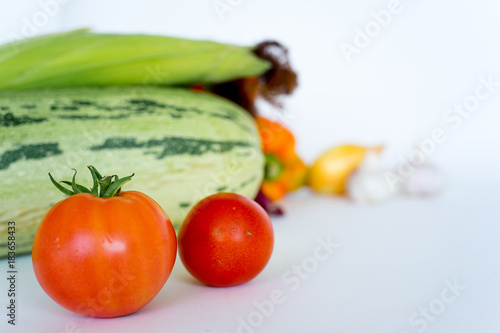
[(181, 145)]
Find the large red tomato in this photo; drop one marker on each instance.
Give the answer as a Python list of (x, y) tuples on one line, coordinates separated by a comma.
[(104, 257), (226, 239)]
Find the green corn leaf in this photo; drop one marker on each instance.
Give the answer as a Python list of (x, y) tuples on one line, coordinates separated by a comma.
[(83, 58)]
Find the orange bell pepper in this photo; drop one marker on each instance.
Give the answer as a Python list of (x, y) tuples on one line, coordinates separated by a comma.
[(284, 169)]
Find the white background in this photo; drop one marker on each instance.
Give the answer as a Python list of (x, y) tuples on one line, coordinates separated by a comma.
[(395, 91), (393, 258)]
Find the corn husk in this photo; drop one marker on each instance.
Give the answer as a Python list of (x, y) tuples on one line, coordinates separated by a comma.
[(83, 58)]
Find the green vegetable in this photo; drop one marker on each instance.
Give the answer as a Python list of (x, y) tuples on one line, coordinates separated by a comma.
[(81, 58), (181, 145), (102, 187)]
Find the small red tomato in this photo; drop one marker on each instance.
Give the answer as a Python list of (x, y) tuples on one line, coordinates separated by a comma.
[(104, 256), (225, 240)]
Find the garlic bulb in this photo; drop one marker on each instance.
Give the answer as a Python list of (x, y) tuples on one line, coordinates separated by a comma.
[(425, 180), (368, 183)]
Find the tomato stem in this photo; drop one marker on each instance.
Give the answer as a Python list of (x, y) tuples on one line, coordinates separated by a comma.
[(103, 187)]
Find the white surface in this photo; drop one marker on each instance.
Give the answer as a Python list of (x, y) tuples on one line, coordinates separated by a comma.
[(392, 260)]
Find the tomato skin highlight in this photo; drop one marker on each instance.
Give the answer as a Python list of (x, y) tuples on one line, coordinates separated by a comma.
[(225, 240), (104, 257)]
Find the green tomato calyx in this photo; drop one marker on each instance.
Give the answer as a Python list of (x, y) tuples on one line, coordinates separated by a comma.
[(103, 187)]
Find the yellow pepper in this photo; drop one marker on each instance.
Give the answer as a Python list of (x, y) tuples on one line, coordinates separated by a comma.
[(330, 172)]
